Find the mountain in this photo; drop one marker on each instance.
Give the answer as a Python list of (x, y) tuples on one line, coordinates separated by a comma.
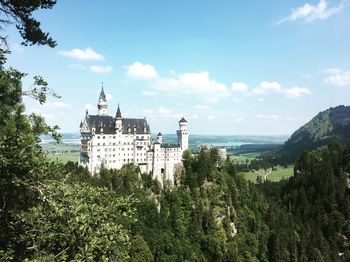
[(331, 124)]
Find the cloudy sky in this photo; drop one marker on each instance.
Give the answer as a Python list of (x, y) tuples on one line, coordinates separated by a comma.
[(229, 67)]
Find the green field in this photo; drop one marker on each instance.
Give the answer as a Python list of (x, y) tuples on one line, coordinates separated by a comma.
[(277, 175), (64, 158), (242, 158), (62, 152), (50, 148)]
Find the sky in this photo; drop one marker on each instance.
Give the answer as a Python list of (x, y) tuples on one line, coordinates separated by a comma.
[(229, 67)]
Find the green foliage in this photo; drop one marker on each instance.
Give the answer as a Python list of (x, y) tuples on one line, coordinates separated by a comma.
[(140, 251), (329, 125), (310, 214), (20, 12), (76, 222), (210, 211)]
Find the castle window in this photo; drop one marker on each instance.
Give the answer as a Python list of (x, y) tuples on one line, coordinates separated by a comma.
[(113, 137), (98, 150), (104, 137), (98, 144), (98, 137)]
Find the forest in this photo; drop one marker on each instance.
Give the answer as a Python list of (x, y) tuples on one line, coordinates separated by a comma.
[(55, 212)]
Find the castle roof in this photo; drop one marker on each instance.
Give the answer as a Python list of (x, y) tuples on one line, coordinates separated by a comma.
[(139, 124), (183, 120), (106, 125), (159, 134), (102, 95), (118, 114)]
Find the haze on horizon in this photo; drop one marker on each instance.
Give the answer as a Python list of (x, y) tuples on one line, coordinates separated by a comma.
[(248, 68)]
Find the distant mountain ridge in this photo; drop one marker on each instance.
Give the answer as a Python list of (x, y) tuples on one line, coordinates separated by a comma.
[(331, 124)]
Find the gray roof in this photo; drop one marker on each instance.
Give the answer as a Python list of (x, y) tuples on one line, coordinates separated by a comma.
[(183, 120), (106, 125), (159, 134), (102, 95), (118, 114), (135, 123)]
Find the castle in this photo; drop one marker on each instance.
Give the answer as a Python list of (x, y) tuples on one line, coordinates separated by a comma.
[(113, 141)]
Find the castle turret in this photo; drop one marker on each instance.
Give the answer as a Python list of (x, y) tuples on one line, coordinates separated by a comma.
[(182, 134), (160, 138), (118, 120), (102, 104)]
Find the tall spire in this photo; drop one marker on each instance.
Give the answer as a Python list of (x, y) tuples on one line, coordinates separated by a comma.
[(102, 95), (119, 114), (102, 103)]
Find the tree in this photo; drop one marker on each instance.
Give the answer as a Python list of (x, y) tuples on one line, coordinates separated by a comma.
[(22, 164), (140, 251), (20, 13), (76, 222)]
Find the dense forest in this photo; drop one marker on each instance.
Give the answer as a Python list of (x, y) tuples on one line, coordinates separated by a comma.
[(55, 212), (327, 126)]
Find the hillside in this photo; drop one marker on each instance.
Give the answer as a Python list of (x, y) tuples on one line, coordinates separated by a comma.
[(331, 124)]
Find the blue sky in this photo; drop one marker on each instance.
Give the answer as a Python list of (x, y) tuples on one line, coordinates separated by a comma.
[(229, 67)]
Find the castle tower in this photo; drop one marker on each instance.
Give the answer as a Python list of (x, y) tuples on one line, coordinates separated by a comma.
[(182, 134), (118, 121), (102, 104), (159, 138)]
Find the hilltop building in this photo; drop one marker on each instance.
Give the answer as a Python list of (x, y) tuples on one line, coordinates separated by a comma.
[(113, 141)]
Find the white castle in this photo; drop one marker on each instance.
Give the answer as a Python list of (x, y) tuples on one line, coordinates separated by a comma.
[(112, 142)]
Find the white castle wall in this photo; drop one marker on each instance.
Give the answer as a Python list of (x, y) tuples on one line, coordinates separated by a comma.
[(117, 149)]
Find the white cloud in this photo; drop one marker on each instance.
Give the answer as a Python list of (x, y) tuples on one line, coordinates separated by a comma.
[(296, 92), (192, 83), (195, 116), (109, 97), (48, 116), (148, 111), (274, 87), (261, 99), (80, 54), (149, 93), (267, 87), (239, 87), (210, 117), (306, 76), (239, 119), (310, 13), (177, 116), (337, 77), (272, 117), (141, 71), (201, 107), (101, 69), (61, 104), (89, 107), (77, 67), (162, 110)]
